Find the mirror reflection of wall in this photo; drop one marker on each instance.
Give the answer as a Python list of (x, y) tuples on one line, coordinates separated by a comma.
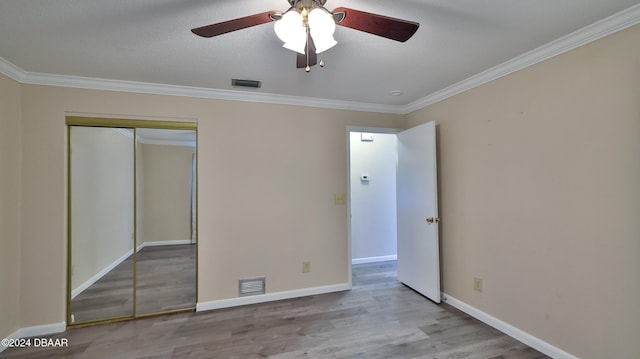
[(103, 264), (101, 163)]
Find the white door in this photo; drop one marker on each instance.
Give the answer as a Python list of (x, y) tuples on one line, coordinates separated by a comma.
[(418, 247)]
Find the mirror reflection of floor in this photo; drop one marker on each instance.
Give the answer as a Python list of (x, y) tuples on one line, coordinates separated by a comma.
[(166, 280)]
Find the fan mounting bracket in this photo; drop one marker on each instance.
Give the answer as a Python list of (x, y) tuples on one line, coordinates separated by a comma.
[(309, 4)]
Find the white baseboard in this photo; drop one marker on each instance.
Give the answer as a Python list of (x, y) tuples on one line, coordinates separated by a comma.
[(508, 329), (164, 243), (392, 257), (82, 287), (269, 297), (37, 330)]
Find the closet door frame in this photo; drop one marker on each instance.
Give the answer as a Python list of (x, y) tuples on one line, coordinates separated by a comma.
[(75, 121)]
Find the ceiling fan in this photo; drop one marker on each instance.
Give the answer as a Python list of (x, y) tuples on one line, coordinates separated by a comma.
[(307, 27)]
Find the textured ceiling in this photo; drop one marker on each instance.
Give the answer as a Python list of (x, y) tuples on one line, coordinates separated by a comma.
[(150, 41)]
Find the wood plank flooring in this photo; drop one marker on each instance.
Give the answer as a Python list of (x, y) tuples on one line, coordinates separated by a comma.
[(379, 318), (166, 280)]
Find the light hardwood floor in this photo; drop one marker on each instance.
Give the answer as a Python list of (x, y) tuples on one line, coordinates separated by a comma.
[(379, 318), (166, 280)]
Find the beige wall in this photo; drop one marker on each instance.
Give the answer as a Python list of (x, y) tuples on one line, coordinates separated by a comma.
[(167, 192), (540, 196), (267, 176), (10, 99)]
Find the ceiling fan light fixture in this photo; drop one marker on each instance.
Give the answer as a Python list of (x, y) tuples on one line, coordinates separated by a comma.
[(298, 45), (323, 43), (288, 24), (321, 28), (307, 27), (290, 30)]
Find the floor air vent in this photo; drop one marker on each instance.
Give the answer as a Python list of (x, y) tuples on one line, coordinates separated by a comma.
[(251, 286)]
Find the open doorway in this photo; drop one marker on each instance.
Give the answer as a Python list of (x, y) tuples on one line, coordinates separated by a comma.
[(372, 198), (404, 208)]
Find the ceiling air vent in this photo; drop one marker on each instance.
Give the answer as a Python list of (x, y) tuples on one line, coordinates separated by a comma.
[(246, 83), (251, 286)]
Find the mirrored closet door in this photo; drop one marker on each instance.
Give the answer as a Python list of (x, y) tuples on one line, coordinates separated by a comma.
[(166, 256), (102, 223), (132, 219)]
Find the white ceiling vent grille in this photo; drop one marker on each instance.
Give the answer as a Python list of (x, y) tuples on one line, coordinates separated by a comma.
[(251, 286)]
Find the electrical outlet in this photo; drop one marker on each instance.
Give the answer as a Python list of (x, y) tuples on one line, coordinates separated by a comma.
[(306, 267), (477, 284), (339, 198)]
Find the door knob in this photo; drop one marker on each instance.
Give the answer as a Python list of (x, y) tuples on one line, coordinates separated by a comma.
[(433, 219)]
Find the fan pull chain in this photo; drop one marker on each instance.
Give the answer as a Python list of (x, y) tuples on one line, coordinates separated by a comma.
[(308, 68)]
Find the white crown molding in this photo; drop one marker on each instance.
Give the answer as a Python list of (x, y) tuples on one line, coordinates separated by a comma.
[(599, 29), (509, 329), (36, 78), (595, 31), (12, 70)]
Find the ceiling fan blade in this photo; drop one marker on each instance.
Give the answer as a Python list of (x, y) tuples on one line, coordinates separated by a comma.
[(235, 24), (389, 27), (301, 59)]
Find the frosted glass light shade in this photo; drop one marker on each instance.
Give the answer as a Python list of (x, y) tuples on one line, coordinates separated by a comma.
[(290, 30), (321, 27), (288, 25), (298, 44)]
